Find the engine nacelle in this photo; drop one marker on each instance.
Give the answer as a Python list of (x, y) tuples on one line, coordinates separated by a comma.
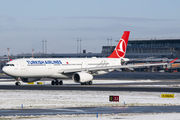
[(81, 77), (30, 79)]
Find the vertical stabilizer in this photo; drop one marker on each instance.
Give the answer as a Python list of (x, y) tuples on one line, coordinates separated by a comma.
[(120, 49)]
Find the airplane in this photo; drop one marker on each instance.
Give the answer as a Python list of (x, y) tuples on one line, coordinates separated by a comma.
[(81, 70)]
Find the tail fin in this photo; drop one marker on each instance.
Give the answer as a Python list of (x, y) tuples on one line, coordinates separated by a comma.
[(120, 49), (173, 60)]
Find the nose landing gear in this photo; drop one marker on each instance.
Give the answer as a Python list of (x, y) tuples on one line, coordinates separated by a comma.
[(17, 83)]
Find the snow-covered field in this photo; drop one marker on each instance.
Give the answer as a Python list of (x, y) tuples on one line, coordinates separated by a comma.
[(151, 116), (13, 99)]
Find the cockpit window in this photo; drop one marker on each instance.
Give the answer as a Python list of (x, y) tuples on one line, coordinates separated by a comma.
[(9, 64)]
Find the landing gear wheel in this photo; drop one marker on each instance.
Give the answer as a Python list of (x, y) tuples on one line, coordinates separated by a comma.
[(17, 83), (86, 83), (52, 82), (60, 82), (82, 83), (57, 82), (90, 82)]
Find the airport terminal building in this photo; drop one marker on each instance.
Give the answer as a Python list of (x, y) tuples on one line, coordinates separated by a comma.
[(143, 48)]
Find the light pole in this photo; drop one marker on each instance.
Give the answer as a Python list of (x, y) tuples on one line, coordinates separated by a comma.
[(8, 53), (77, 46), (32, 52), (80, 45), (42, 46), (0, 63), (45, 46)]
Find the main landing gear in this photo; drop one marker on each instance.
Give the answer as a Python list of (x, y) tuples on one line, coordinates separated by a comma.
[(87, 83), (56, 82)]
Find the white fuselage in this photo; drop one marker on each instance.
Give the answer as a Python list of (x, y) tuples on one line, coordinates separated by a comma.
[(53, 67)]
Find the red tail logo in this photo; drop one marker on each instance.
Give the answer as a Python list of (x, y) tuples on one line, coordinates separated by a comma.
[(120, 49), (173, 60)]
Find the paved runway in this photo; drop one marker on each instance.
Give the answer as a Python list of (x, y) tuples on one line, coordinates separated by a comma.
[(171, 79), (89, 88), (130, 76), (91, 110)]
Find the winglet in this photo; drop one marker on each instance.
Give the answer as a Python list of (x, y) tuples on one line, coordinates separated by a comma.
[(120, 49), (173, 60)]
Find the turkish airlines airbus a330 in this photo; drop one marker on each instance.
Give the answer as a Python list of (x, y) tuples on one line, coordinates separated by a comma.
[(81, 70)]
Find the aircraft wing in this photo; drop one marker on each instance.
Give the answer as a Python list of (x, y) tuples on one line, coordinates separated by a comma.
[(109, 67), (113, 67)]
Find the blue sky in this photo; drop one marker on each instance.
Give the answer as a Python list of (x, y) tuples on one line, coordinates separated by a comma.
[(25, 23)]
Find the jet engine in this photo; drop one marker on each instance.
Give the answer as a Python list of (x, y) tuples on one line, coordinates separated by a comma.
[(82, 77), (30, 79)]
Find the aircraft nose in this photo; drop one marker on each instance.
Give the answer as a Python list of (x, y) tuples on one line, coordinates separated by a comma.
[(4, 69)]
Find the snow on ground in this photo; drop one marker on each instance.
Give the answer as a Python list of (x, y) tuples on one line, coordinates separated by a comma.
[(13, 99), (131, 116)]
